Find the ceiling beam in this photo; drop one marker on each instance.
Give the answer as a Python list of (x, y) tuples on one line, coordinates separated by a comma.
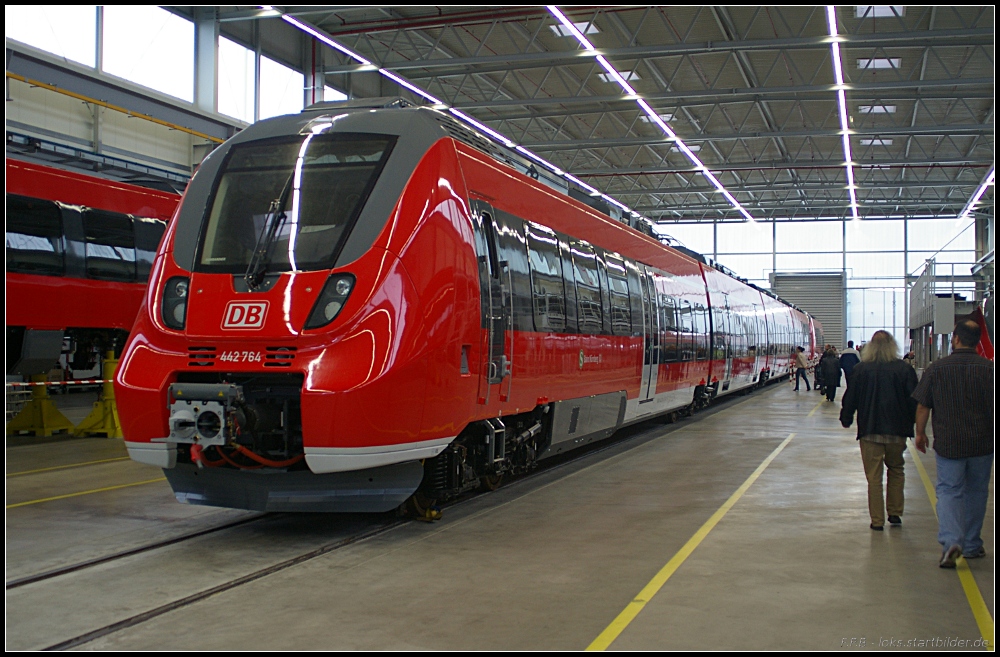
[(892, 163), (823, 91), (463, 65), (937, 130)]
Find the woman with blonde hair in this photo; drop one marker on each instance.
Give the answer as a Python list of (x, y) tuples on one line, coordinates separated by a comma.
[(879, 390)]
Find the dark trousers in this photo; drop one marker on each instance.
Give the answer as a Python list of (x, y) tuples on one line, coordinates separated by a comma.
[(831, 392), (800, 373)]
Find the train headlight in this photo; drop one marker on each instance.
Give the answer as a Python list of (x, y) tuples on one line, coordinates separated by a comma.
[(174, 310), (331, 300)]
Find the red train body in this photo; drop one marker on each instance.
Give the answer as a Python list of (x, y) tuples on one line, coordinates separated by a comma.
[(79, 250), (411, 313)]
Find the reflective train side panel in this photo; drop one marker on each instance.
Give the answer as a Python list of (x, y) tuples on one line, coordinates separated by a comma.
[(354, 305), (78, 252)]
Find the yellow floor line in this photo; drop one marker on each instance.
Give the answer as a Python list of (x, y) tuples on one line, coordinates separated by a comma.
[(63, 467), (815, 408), (86, 492), (972, 593), (618, 625)]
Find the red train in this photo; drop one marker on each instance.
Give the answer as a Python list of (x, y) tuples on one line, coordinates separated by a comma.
[(361, 302), (79, 251)]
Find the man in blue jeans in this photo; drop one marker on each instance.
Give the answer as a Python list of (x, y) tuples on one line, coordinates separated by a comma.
[(801, 363), (959, 389)]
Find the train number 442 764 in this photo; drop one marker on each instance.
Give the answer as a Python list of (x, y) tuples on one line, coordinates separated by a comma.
[(241, 357)]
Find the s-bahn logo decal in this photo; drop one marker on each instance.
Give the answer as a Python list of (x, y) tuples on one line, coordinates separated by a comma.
[(244, 315)]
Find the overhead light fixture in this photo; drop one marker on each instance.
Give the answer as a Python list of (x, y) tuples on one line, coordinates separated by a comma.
[(652, 116), (880, 62), (971, 205), (877, 109), (838, 75)]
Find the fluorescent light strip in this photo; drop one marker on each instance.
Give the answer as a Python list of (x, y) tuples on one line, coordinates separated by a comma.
[(540, 160), (970, 206), (593, 190), (325, 39), (473, 122), (653, 116), (838, 76), (404, 83), (485, 128)]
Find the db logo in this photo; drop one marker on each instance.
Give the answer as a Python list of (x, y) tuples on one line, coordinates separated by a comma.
[(244, 315)]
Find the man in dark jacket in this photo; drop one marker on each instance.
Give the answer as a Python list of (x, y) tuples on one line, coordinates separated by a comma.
[(829, 366), (849, 358), (879, 390), (959, 389)]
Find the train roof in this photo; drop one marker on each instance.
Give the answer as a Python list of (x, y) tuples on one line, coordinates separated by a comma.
[(417, 128)]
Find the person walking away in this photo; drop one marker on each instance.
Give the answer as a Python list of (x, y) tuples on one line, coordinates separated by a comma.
[(959, 390), (829, 367), (800, 367), (879, 390), (849, 358)]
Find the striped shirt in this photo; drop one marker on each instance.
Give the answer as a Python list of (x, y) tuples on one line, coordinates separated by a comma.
[(959, 390)]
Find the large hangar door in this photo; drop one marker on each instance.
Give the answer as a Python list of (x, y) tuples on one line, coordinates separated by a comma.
[(821, 295)]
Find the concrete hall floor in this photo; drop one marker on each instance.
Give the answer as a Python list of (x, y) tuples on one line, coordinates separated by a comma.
[(743, 528)]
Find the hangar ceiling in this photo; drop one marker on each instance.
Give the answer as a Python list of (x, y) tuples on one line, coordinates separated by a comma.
[(751, 90)]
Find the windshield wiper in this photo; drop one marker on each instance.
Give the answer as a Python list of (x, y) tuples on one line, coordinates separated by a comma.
[(257, 269)]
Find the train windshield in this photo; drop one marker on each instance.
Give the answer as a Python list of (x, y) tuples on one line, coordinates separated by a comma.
[(295, 200)]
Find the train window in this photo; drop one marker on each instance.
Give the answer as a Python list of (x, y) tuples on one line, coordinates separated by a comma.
[(686, 345), (110, 245), (548, 294), (668, 324), (621, 313), (323, 182), (34, 236), (701, 332), (148, 233), (590, 318), (719, 344), (510, 233)]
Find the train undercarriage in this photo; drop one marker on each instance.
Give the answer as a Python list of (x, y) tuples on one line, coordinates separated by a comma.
[(245, 449)]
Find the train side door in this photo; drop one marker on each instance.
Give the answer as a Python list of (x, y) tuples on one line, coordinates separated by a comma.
[(731, 338), (651, 335), (496, 306)]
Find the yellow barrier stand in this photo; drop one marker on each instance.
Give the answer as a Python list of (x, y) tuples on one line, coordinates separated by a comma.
[(40, 415), (103, 420)]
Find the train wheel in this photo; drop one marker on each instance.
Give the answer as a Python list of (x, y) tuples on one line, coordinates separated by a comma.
[(420, 507), (491, 482)]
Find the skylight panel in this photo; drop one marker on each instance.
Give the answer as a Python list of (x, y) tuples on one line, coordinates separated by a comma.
[(877, 109), (629, 76), (878, 11), (880, 62), (585, 28), (876, 142)]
